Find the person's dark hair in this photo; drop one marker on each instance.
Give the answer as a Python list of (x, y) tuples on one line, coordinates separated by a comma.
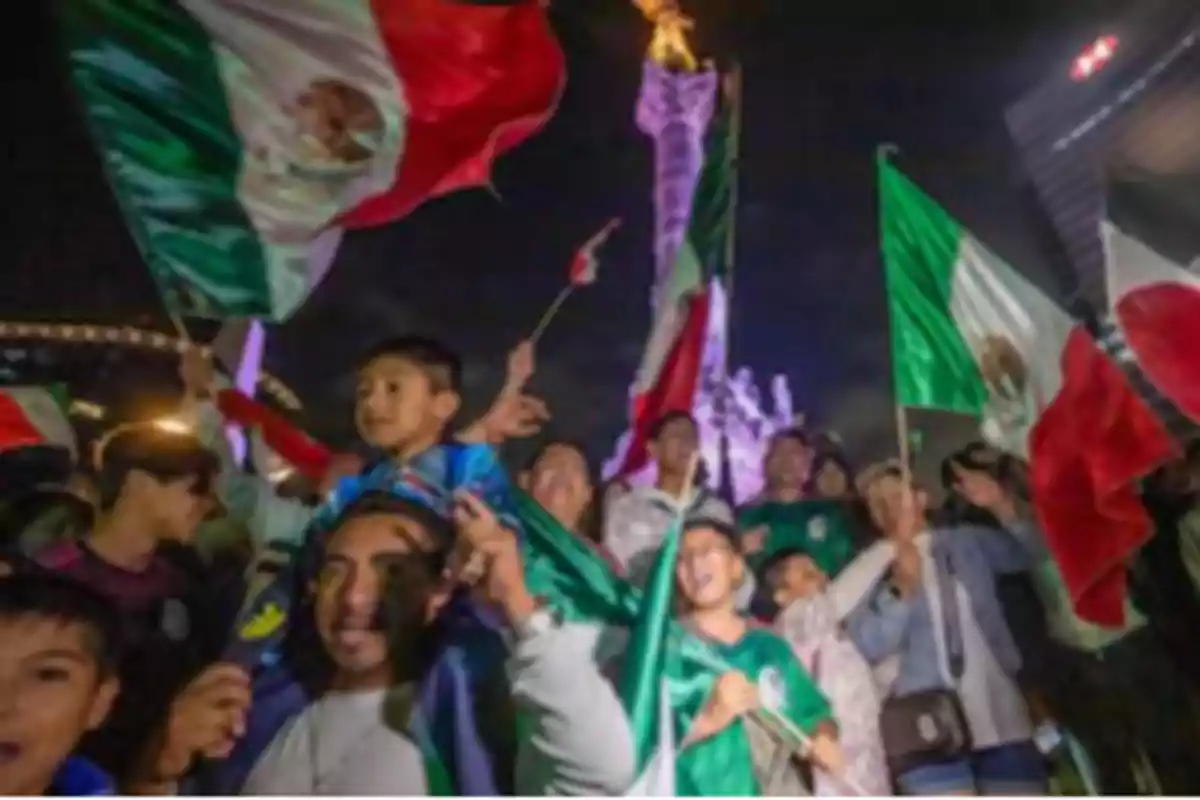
[(557, 441), (1005, 468), (777, 559), (43, 594), (720, 527), (824, 459), (795, 433), (46, 515), (441, 365), (660, 424), (955, 511), (591, 525), (762, 604), (380, 503), (146, 447)]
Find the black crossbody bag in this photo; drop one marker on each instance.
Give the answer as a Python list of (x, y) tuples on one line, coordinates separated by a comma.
[(930, 727)]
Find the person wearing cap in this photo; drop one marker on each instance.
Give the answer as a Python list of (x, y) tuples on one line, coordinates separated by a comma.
[(921, 605), (153, 488)]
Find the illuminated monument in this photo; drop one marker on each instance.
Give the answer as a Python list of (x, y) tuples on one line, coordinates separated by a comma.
[(675, 105)]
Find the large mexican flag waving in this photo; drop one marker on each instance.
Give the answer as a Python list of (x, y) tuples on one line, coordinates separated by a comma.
[(241, 137), (971, 334)]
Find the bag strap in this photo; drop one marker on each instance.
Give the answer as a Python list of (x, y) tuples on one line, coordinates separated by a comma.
[(951, 614)]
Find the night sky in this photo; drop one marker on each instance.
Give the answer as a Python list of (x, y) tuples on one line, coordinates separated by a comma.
[(824, 84)]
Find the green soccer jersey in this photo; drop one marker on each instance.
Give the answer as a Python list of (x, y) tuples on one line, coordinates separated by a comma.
[(822, 528), (726, 764)]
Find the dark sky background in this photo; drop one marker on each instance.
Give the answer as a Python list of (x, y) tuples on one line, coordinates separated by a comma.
[(824, 84)]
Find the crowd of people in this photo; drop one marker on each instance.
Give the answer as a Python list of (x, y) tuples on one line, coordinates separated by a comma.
[(923, 648)]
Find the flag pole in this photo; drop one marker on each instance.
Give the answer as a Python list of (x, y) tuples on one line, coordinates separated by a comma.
[(882, 153), (733, 94), (550, 312)]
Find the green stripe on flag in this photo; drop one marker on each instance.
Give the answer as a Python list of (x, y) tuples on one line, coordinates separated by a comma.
[(711, 221), (932, 364), (644, 671), (149, 81)]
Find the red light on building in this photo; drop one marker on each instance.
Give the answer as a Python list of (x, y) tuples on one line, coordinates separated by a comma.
[(1094, 58)]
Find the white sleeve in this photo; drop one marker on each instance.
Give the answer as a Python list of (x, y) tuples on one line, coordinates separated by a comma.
[(579, 742)]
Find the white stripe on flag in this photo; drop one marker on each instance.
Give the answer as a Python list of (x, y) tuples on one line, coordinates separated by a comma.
[(658, 778)]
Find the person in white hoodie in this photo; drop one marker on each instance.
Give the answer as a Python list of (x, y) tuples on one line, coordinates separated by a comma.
[(636, 522), (808, 621)]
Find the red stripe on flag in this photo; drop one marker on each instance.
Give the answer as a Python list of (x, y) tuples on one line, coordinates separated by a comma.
[(309, 457), (478, 80), (16, 429), (1161, 322), (1089, 448), (676, 384)]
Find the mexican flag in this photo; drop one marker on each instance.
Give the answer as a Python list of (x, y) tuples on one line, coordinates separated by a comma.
[(971, 335), (241, 137), (661, 670), (1151, 235), (35, 416), (669, 375), (273, 433)]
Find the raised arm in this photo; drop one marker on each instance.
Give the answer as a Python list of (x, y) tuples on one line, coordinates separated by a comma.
[(249, 498), (514, 414)]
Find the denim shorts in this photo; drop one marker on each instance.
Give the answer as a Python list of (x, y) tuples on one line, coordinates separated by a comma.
[(1009, 769)]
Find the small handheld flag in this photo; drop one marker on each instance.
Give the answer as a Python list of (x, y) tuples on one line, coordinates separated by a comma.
[(585, 265), (583, 271)]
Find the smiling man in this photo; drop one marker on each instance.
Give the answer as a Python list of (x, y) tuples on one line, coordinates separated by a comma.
[(388, 567)]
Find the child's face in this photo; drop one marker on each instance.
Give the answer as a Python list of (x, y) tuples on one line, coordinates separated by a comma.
[(709, 570), (51, 693), (397, 404), (796, 578)]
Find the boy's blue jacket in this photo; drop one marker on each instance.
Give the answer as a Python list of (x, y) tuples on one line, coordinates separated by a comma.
[(78, 777)]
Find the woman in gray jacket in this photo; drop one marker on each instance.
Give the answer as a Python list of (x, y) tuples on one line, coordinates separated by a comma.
[(921, 605)]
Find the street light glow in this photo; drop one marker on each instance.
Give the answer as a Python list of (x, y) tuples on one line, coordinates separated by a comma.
[(1094, 58)]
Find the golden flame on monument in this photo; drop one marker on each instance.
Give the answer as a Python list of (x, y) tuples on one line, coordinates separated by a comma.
[(669, 46)]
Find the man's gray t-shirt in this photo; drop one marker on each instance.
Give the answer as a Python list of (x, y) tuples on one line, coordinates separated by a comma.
[(340, 745)]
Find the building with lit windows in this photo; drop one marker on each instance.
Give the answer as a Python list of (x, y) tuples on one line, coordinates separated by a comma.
[(1130, 91)]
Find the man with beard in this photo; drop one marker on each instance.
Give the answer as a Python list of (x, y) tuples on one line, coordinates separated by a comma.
[(383, 578), (808, 621)]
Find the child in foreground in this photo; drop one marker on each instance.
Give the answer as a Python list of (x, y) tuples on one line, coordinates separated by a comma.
[(58, 658)]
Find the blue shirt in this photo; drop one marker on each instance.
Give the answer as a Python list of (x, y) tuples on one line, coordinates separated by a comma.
[(884, 625)]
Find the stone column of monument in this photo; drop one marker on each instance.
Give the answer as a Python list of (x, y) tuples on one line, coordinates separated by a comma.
[(675, 105)]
